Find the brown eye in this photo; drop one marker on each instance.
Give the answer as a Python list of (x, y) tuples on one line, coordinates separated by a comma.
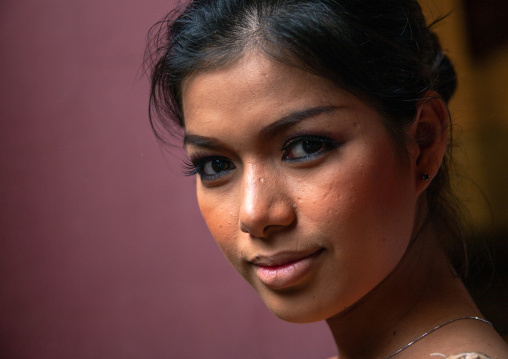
[(307, 148), (304, 148), (216, 166), (211, 168), (311, 146)]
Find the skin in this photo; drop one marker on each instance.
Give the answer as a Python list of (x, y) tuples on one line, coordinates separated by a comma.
[(303, 190)]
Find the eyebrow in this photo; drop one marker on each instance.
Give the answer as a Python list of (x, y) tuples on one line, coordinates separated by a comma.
[(271, 130), (292, 119), (200, 141)]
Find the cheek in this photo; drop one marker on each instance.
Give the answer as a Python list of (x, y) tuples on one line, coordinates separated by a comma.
[(222, 221), (385, 213), (367, 205)]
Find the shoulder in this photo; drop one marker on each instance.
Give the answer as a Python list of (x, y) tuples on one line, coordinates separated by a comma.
[(466, 356)]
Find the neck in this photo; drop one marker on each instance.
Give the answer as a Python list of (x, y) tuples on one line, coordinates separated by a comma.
[(419, 294)]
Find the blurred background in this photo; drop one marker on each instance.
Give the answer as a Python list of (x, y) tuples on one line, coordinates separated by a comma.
[(103, 252), (475, 37)]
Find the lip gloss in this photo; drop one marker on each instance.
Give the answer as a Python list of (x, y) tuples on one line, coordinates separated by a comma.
[(287, 274)]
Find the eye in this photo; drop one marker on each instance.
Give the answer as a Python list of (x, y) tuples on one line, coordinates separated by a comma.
[(307, 148), (208, 168), (216, 166)]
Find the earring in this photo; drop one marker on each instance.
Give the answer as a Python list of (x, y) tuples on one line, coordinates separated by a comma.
[(425, 176)]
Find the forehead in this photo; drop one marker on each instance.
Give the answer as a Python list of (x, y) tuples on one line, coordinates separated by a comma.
[(253, 86)]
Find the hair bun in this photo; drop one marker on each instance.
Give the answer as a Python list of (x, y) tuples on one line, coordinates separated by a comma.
[(444, 75)]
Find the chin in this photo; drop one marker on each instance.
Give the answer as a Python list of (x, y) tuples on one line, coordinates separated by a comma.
[(301, 316), (298, 308), (297, 316)]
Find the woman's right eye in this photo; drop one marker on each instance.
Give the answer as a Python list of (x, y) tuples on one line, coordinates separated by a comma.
[(209, 168)]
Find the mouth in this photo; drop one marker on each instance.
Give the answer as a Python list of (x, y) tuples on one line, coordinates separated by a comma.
[(285, 269)]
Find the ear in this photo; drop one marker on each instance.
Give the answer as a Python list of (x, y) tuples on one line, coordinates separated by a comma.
[(428, 135)]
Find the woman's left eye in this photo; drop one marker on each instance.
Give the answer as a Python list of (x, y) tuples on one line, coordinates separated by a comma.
[(307, 148)]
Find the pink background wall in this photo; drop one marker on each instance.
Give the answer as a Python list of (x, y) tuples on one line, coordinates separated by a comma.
[(103, 253)]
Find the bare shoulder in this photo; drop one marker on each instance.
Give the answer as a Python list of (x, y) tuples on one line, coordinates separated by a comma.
[(485, 348), (469, 340), (469, 356)]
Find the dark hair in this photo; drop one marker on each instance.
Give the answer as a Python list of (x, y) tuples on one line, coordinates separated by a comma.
[(380, 51)]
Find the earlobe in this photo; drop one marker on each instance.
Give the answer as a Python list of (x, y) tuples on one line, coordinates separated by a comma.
[(430, 135)]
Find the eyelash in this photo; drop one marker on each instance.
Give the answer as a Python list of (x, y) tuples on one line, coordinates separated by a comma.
[(327, 143), (189, 169), (196, 163)]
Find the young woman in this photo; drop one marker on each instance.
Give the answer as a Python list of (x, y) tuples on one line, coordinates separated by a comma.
[(318, 132)]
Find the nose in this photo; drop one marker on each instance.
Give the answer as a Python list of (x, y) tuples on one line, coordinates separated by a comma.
[(265, 205)]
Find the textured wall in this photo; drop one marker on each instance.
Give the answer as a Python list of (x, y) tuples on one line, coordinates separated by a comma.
[(103, 253)]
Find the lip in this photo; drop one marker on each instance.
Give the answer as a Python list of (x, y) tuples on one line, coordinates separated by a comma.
[(285, 269)]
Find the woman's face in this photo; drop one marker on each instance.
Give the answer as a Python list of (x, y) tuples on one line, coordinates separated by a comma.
[(299, 183)]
